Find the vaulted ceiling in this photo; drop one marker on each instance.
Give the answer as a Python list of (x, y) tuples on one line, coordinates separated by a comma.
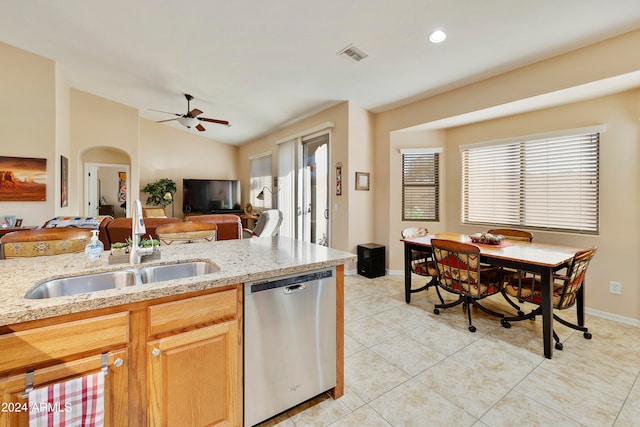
[(263, 64)]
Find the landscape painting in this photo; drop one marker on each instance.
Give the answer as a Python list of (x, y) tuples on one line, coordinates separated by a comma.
[(23, 179)]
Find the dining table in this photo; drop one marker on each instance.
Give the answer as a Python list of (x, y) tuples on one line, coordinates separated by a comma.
[(543, 259)]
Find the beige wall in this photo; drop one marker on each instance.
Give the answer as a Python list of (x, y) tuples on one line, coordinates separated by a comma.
[(43, 117), (73, 123), (351, 144), (619, 152), (62, 136), (619, 156), (176, 154), (338, 153), (28, 124), (361, 214), (98, 126)]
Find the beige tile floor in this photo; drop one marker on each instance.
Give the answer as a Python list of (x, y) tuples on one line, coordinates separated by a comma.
[(405, 366)]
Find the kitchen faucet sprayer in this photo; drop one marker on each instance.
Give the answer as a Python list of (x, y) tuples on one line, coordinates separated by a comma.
[(137, 230)]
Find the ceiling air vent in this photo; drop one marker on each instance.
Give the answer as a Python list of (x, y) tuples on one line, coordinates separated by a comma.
[(353, 52)]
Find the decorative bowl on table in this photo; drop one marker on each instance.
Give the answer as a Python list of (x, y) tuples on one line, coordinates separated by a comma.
[(487, 238)]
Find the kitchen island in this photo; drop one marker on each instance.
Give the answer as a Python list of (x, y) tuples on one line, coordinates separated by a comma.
[(160, 341)]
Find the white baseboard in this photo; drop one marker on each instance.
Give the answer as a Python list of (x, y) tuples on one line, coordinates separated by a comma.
[(614, 317), (597, 313)]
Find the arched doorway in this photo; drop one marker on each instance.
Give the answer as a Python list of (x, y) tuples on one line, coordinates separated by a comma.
[(106, 179)]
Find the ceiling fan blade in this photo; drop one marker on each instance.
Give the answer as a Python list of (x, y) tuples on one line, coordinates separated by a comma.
[(195, 112), (168, 120), (220, 122), (200, 127), (166, 112)]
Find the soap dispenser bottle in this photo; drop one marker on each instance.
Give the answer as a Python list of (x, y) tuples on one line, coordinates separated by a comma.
[(95, 248)]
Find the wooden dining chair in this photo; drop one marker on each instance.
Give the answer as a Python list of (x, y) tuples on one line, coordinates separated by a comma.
[(422, 263), (44, 242), (566, 291), (510, 275), (158, 212), (186, 232), (513, 234), (460, 272)]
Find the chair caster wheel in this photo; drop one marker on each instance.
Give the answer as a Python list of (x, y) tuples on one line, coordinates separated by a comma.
[(472, 328), (559, 346), (505, 324), (436, 311), (520, 313), (587, 335)]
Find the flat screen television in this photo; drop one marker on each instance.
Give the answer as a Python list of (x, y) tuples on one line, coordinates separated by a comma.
[(211, 196)]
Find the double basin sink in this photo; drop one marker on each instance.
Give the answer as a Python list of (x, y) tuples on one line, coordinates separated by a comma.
[(119, 279)]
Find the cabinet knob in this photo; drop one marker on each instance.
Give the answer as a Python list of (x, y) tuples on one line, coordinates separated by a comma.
[(118, 362), (155, 352)]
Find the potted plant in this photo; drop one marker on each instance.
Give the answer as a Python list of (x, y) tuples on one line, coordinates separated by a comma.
[(160, 192), (146, 243), (119, 248)]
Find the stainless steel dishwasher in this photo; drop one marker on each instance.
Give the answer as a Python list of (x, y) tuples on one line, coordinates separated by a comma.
[(289, 342)]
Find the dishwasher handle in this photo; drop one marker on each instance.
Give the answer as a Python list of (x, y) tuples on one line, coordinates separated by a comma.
[(295, 288), (290, 282)]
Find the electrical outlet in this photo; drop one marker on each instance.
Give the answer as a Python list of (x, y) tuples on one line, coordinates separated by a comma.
[(615, 288)]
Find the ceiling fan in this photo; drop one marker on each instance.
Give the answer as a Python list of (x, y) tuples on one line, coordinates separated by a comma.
[(191, 119)]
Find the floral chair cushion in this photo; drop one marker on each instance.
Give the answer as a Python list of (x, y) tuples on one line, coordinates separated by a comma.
[(458, 272), (565, 287), (48, 247), (187, 237)]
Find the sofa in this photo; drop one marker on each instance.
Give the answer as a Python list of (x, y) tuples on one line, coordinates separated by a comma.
[(229, 225), (86, 222), (119, 230)]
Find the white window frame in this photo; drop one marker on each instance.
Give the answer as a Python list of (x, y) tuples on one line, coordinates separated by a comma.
[(261, 177), (541, 182), (421, 190)]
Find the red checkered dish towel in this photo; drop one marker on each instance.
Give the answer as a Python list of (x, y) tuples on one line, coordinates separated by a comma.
[(74, 403)]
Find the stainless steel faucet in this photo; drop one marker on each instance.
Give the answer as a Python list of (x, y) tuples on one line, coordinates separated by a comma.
[(137, 231)]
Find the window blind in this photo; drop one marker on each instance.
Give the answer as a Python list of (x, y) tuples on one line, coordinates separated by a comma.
[(261, 177), (549, 183), (420, 186)]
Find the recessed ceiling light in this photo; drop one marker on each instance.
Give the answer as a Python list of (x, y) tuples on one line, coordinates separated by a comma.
[(437, 36)]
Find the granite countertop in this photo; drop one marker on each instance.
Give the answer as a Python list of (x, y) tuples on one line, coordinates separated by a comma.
[(239, 261)]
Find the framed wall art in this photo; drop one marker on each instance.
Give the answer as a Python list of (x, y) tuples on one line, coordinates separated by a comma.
[(64, 181), (339, 179), (23, 179), (362, 181), (8, 221)]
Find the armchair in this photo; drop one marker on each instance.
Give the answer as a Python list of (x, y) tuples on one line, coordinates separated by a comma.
[(566, 291), (268, 225), (510, 275), (422, 263), (460, 272)]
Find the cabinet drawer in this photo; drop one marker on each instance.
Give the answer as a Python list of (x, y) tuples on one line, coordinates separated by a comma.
[(25, 349), (182, 314)]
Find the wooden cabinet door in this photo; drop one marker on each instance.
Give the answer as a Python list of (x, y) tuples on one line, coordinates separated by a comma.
[(193, 378), (15, 405)]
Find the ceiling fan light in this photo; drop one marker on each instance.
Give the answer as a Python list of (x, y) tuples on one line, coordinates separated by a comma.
[(188, 122)]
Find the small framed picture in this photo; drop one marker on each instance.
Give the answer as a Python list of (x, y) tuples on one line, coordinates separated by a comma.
[(18, 222), (8, 221), (362, 181)]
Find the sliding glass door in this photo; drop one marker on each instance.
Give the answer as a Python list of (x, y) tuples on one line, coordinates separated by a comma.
[(303, 180)]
